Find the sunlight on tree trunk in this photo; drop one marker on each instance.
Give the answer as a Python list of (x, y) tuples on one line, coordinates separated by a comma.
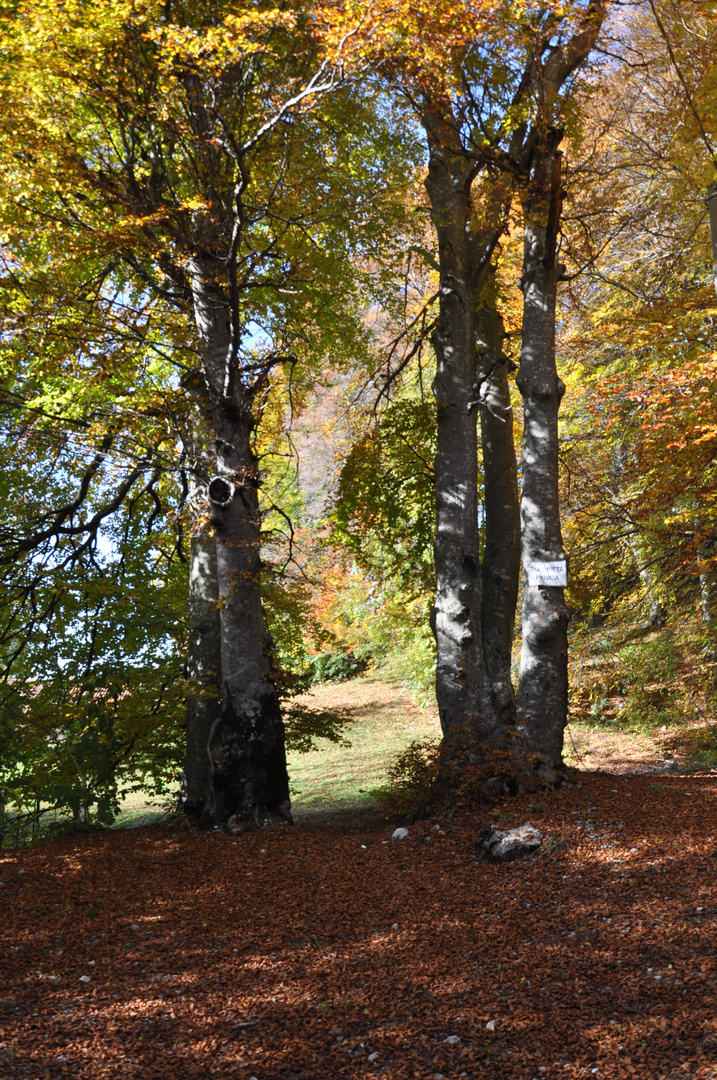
[(249, 782), (462, 689), (543, 687)]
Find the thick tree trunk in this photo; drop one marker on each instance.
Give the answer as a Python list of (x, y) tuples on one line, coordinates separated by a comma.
[(501, 553), (204, 698), (543, 688), (204, 662), (248, 782), (465, 706)]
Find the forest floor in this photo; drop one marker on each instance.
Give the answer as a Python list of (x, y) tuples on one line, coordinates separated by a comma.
[(327, 951)]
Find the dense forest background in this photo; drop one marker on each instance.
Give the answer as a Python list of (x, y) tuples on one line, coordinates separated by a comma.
[(102, 417)]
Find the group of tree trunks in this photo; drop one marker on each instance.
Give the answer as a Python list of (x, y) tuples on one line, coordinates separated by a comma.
[(517, 737), (199, 179), (203, 198), (236, 772)]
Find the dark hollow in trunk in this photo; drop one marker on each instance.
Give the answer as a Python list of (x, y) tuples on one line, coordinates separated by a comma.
[(248, 783)]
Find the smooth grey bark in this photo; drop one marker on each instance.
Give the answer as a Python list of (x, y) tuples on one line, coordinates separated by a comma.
[(462, 689), (543, 687), (644, 564), (472, 705), (474, 610), (248, 779), (708, 599), (501, 552), (542, 704)]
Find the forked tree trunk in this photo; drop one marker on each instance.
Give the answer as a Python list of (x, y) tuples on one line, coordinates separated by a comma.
[(248, 780), (501, 553), (543, 688)]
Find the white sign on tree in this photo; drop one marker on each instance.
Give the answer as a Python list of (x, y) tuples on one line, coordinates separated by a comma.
[(548, 573)]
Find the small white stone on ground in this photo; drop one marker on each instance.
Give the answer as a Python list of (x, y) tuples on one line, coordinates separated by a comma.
[(373, 1057), (490, 1026), (435, 828), (85, 978), (452, 1040), (495, 845), (394, 926), (134, 926), (400, 834)]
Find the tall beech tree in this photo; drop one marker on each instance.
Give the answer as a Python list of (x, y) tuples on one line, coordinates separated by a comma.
[(183, 144), (493, 109), (543, 687), (471, 681)]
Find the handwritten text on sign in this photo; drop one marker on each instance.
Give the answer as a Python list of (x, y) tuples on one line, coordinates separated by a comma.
[(548, 573)]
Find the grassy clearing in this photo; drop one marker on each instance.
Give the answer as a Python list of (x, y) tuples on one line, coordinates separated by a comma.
[(138, 810), (384, 721), (612, 750)]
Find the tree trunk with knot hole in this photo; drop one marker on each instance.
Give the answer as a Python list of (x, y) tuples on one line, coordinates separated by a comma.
[(248, 783)]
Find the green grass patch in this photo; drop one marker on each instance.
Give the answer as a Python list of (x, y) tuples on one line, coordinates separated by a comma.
[(338, 778)]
